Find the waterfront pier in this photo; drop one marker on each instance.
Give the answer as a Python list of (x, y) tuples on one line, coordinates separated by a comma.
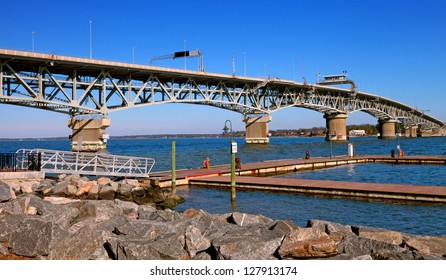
[(253, 176)]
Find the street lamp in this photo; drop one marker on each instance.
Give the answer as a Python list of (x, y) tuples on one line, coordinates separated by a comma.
[(233, 150), (227, 129)]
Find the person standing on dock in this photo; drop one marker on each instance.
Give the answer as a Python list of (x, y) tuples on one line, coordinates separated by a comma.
[(238, 164), (206, 163), (307, 154), (392, 153)]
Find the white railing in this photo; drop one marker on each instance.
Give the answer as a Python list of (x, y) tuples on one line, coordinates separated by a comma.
[(99, 164)]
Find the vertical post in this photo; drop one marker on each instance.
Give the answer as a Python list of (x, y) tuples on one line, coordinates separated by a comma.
[(232, 171), (233, 151), (174, 178)]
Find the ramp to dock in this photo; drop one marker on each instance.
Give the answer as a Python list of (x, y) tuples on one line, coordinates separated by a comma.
[(97, 164)]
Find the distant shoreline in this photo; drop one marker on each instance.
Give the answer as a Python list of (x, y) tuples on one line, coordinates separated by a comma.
[(166, 136)]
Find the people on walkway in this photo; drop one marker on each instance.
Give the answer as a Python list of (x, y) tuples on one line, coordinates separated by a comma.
[(401, 153), (392, 153), (307, 154), (206, 163), (238, 164)]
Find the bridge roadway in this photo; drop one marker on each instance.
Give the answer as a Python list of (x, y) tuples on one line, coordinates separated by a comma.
[(84, 88), (252, 176)]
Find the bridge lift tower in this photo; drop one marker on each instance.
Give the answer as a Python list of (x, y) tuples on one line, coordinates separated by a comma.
[(178, 55), (339, 79)]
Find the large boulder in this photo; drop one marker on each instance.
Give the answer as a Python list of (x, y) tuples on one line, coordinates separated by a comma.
[(378, 234), (85, 187), (6, 193), (107, 192), (247, 243), (33, 236), (85, 244), (307, 243), (434, 245)]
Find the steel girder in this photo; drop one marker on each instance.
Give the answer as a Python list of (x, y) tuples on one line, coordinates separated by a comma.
[(83, 87)]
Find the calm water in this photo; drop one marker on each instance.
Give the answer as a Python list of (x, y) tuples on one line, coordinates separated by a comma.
[(417, 218)]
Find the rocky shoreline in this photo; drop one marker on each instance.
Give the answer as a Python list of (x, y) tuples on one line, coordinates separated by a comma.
[(73, 218)]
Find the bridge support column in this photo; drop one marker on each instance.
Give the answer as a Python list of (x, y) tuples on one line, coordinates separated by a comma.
[(257, 129), (89, 134), (387, 129), (411, 131), (336, 125)]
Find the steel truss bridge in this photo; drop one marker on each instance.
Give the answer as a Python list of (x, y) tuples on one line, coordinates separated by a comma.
[(78, 86)]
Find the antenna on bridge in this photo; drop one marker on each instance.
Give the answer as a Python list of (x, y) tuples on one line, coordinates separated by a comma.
[(184, 54)]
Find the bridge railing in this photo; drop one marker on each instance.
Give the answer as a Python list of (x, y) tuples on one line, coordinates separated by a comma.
[(97, 164)]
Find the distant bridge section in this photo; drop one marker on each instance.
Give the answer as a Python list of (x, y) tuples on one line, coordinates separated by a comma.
[(77, 87)]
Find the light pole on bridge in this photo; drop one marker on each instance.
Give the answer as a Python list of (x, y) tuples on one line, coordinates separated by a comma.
[(91, 39)]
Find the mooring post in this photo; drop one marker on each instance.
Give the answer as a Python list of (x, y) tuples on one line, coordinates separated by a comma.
[(174, 179), (233, 152)]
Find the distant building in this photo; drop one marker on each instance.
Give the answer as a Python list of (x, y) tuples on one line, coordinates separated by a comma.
[(357, 132)]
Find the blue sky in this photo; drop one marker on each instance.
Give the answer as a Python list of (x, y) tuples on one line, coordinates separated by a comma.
[(396, 49)]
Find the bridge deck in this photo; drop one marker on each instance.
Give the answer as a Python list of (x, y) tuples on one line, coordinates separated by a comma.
[(248, 178)]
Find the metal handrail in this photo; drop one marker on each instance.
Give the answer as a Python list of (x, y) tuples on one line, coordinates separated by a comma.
[(99, 164)]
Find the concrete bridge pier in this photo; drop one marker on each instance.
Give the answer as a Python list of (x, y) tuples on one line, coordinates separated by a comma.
[(387, 129), (257, 129), (89, 134), (336, 125), (411, 131)]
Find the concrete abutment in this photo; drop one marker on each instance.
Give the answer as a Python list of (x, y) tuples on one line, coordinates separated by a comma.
[(257, 129), (336, 125), (387, 129), (88, 135)]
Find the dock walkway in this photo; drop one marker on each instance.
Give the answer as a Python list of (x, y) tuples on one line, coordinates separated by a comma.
[(252, 176)]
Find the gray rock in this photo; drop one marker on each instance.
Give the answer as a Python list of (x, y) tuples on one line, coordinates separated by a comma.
[(142, 229), (107, 192), (3, 250), (131, 250), (355, 246), (125, 191), (202, 256), (6, 194), (138, 192), (284, 227), (244, 219), (33, 236), (170, 246), (195, 241), (329, 227), (60, 188), (70, 191), (11, 207), (63, 215), (432, 245), (168, 215), (45, 187), (85, 244), (247, 244)]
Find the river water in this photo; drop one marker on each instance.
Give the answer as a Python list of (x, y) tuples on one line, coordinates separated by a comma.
[(415, 218)]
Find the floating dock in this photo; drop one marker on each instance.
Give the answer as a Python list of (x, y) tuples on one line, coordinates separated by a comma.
[(253, 176)]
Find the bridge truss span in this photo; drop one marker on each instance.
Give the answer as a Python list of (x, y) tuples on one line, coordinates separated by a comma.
[(77, 86)]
